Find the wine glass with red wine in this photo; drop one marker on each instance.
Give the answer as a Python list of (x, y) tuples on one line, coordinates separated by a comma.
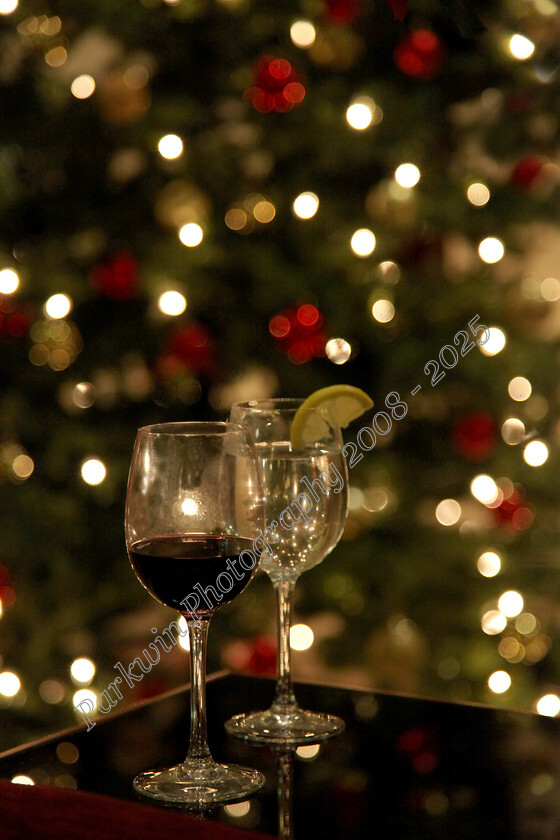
[(194, 508)]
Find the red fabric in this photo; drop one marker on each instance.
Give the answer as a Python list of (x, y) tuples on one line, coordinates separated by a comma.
[(45, 813)]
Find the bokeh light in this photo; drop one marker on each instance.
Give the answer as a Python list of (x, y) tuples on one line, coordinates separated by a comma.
[(93, 471), (338, 351), (383, 311), (303, 34), (363, 242), (478, 194), (499, 682), (8, 6), (491, 250), (519, 388), (301, 637), (521, 47), (172, 303), (305, 205), (83, 86), (191, 235), (510, 603), (548, 705), (9, 684), (448, 512), (493, 622), (84, 694), (9, 281), (57, 306), (22, 779), (359, 114), (485, 489), (495, 342), (170, 147), (82, 670), (535, 453), (407, 175), (513, 431), (489, 564)]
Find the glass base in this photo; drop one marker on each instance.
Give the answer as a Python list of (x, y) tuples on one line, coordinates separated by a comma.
[(292, 726), (199, 785)]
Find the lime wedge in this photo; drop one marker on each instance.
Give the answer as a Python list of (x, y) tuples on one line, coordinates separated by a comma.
[(335, 405)]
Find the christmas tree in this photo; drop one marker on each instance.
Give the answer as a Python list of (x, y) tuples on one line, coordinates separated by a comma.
[(204, 201)]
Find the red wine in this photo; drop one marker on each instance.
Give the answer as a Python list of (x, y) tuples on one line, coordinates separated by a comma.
[(206, 568)]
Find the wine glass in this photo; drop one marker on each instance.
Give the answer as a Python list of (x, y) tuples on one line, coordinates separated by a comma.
[(306, 501), (193, 509)]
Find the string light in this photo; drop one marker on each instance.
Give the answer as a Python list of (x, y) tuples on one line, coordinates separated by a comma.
[(9, 684), (8, 6), (93, 471), (359, 114), (191, 235), (407, 175), (303, 34), (493, 622), (84, 694), (495, 342), (9, 281), (22, 780), (491, 250), (383, 311), (521, 47), (305, 205), (301, 637), (485, 489), (513, 431), (172, 303), (519, 388), (338, 351), (478, 194), (170, 147), (57, 306), (83, 86), (489, 564), (535, 453), (363, 242), (448, 512), (499, 682), (510, 603), (550, 289), (548, 705), (82, 670)]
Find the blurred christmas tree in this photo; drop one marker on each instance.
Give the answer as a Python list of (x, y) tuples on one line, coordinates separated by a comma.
[(210, 200)]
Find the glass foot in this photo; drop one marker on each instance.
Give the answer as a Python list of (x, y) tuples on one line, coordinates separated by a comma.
[(293, 726), (197, 787)]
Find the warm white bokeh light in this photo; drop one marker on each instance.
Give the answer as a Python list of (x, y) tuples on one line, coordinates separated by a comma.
[(491, 250), (57, 306), (82, 670), (485, 489), (363, 242), (548, 705), (495, 342), (407, 175), (493, 622), (172, 303), (303, 34), (301, 637), (170, 147), (519, 388), (84, 694), (489, 564), (23, 466), (191, 235), (521, 47), (83, 86), (8, 6), (360, 113), (510, 603), (9, 684), (448, 512), (189, 507), (308, 751), (478, 194), (237, 809), (513, 431), (535, 453), (305, 205), (383, 311), (9, 281), (499, 681), (550, 289), (338, 351), (21, 779), (93, 471)]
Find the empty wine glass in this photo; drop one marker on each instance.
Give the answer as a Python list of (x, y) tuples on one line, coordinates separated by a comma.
[(193, 509), (306, 500)]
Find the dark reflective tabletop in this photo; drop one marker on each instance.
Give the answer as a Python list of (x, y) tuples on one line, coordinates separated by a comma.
[(405, 768)]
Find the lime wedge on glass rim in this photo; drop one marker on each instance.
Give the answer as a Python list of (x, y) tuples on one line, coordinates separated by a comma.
[(336, 405)]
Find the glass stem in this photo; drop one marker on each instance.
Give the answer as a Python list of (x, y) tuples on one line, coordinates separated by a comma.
[(199, 752), (285, 697)]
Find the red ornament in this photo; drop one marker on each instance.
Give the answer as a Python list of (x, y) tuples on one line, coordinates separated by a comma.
[(190, 349), (399, 8), (474, 436), (343, 11), (298, 332), (527, 173), (420, 54), (276, 86), (15, 319), (117, 277), (513, 513)]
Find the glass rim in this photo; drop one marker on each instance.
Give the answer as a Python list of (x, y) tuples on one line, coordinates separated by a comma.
[(192, 428), (271, 404)]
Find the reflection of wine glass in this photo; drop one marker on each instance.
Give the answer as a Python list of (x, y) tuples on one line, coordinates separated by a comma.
[(306, 500), (193, 509)]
